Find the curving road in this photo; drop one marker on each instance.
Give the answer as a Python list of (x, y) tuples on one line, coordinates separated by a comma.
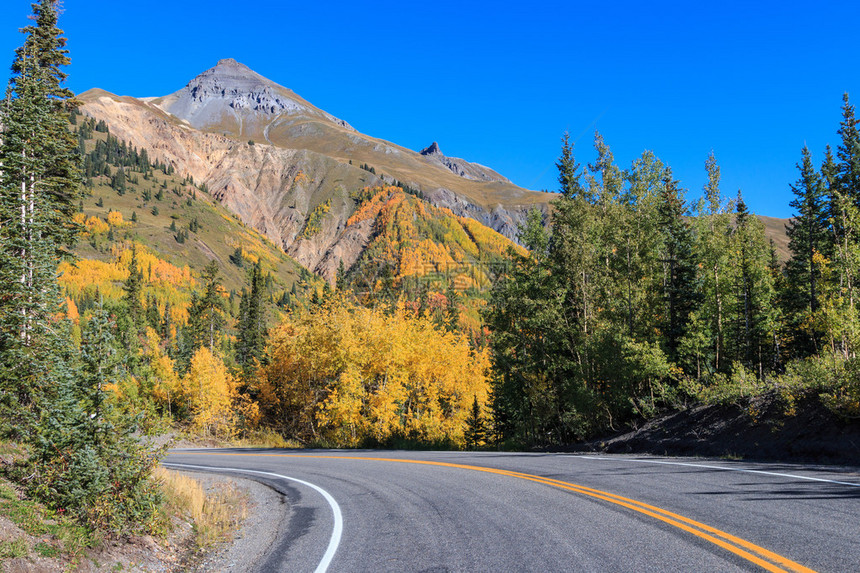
[(488, 511)]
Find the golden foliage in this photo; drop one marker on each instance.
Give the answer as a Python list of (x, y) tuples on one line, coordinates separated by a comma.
[(209, 391), (417, 239), (165, 385), (72, 311), (372, 201), (167, 282), (349, 375), (95, 226), (314, 222), (114, 219)]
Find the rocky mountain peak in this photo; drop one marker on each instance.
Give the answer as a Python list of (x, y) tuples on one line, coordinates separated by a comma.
[(433, 149), (233, 95)]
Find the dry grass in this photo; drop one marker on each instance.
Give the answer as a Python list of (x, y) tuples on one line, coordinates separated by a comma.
[(216, 514), (266, 438)]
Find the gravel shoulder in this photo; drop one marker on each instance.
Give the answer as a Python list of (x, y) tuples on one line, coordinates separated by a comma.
[(268, 514)]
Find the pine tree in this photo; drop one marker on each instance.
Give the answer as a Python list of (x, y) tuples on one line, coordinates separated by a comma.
[(844, 178), (680, 292), (452, 308), (206, 314), (809, 235), (476, 428), (848, 152), (568, 170), (251, 339), (86, 459), (133, 287), (754, 312), (340, 279), (39, 192)]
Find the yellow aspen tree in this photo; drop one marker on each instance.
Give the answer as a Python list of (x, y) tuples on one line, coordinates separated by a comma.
[(209, 389)]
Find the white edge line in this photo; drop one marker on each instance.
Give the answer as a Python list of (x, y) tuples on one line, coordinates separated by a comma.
[(337, 530), (748, 471)]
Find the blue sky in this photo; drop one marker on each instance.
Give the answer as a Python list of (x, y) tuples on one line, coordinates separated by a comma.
[(498, 83)]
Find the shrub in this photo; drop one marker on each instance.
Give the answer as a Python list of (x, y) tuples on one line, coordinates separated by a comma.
[(85, 461)]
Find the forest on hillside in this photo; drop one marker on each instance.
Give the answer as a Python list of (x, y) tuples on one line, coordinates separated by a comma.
[(626, 301)]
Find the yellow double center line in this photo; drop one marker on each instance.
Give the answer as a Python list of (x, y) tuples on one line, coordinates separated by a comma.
[(762, 557)]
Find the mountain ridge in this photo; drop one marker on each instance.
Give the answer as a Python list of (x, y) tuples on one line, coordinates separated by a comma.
[(461, 167), (274, 159)]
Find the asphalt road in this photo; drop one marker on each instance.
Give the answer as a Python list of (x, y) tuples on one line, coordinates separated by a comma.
[(486, 511)]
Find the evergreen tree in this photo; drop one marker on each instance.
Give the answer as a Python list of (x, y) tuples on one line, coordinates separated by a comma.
[(679, 283), (153, 317), (841, 318), (754, 312), (476, 428), (452, 308), (568, 170), (39, 191), (251, 339), (86, 459), (206, 314), (848, 152), (133, 287), (809, 235), (340, 279)]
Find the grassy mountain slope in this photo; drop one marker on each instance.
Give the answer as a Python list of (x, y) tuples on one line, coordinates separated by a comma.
[(176, 225)]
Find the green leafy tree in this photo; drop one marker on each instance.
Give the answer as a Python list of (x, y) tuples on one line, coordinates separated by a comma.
[(713, 229)]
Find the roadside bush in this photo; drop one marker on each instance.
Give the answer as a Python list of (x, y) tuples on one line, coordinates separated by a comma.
[(86, 461), (835, 378)]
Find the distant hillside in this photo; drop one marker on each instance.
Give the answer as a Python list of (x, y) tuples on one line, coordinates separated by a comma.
[(174, 222), (411, 242), (775, 229)]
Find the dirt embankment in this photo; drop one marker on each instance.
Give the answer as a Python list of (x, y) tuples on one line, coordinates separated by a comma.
[(759, 428)]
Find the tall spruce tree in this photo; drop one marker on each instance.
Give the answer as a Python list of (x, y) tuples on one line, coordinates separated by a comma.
[(86, 459), (848, 152), (251, 339), (206, 315), (133, 287), (39, 191), (843, 317), (679, 281), (809, 235), (754, 314)]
